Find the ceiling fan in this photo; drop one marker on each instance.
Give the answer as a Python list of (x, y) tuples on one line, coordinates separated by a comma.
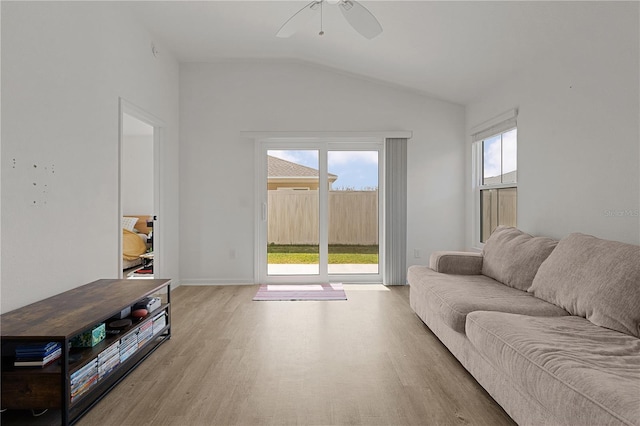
[(356, 15)]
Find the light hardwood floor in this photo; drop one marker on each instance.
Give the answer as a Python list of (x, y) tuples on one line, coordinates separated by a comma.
[(232, 361)]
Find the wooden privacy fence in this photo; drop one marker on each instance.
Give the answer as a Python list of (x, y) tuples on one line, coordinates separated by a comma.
[(293, 217), (499, 207)]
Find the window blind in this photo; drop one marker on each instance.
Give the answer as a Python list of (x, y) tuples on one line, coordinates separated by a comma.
[(395, 259), (495, 126)]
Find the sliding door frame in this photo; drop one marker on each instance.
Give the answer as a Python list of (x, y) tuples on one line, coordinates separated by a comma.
[(322, 144)]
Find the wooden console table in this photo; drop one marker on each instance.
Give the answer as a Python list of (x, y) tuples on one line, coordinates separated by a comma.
[(59, 319)]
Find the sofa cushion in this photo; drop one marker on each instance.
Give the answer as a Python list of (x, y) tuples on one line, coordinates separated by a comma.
[(582, 373), (594, 278), (456, 262), (452, 297), (513, 257)]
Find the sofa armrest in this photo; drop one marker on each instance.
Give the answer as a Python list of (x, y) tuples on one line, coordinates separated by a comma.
[(456, 262)]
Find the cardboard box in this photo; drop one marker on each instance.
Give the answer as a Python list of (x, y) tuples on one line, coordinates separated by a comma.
[(89, 338)]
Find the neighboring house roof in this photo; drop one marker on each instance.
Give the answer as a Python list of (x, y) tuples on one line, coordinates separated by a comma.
[(507, 177), (279, 168)]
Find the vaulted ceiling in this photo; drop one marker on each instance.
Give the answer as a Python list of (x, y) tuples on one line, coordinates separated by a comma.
[(452, 50)]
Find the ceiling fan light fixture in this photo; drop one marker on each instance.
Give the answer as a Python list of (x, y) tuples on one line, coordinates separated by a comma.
[(358, 16), (298, 20), (346, 5)]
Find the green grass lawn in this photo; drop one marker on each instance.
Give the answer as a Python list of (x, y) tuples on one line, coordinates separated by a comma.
[(308, 254)]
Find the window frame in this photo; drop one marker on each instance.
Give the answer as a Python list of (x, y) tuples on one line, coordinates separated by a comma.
[(503, 124)]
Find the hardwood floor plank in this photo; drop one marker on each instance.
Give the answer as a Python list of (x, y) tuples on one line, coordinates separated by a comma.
[(231, 361)]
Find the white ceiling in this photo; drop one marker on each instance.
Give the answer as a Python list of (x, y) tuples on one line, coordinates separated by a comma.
[(452, 50)]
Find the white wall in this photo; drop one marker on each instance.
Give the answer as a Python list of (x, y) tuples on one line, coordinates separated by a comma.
[(578, 132), (137, 175), (219, 100), (64, 67)]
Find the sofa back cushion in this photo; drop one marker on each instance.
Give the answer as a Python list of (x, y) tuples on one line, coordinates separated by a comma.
[(513, 257), (595, 279)]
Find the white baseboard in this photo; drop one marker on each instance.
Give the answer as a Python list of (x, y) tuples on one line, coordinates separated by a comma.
[(215, 281)]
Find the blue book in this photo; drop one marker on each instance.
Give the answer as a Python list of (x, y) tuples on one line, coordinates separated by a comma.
[(37, 351), (40, 362)]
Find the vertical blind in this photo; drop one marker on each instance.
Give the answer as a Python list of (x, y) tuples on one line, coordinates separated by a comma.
[(395, 247)]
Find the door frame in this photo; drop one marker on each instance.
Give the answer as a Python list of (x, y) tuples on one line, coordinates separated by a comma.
[(323, 144), (129, 108)]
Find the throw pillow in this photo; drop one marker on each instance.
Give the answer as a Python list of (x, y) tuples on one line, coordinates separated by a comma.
[(513, 257), (595, 279), (129, 223)]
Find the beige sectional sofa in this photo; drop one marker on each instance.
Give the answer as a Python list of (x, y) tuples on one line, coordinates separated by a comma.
[(551, 329)]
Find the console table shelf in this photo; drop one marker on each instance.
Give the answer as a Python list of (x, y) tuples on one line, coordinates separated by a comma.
[(59, 319)]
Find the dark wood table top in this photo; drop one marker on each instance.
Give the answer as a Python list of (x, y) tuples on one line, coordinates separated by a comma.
[(69, 313)]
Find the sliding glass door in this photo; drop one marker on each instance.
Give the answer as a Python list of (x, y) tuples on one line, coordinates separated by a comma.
[(320, 211), (353, 213), (293, 212)]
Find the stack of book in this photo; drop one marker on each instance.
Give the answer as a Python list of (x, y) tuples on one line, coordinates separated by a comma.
[(128, 345), (37, 355), (108, 360), (159, 322), (145, 332), (83, 379)]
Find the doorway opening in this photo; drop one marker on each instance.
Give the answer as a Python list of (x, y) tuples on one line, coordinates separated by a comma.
[(139, 189)]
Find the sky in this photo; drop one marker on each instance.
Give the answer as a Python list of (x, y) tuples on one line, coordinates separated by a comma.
[(356, 170), (500, 159)]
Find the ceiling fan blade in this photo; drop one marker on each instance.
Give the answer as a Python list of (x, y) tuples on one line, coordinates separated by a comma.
[(298, 20), (360, 18)]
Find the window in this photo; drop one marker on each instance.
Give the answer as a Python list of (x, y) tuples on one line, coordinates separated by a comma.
[(496, 171)]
